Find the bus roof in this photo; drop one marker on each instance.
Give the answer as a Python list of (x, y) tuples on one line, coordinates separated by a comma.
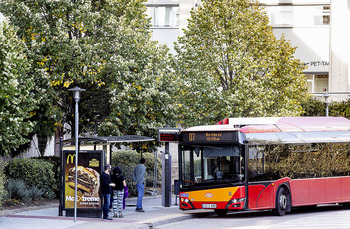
[(300, 124), (284, 130), (278, 124)]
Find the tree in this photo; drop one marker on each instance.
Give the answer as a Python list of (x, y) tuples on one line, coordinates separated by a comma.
[(16, 103), (104, 47), (230, 64)]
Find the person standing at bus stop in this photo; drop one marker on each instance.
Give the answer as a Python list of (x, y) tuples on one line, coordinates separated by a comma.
[(118, 191), (138, 178), (106, 190)]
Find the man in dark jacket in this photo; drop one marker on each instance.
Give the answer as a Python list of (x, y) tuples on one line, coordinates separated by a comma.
[(106, 190)]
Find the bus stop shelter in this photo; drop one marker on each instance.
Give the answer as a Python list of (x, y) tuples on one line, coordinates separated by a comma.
[(100, 143), (105, 143)]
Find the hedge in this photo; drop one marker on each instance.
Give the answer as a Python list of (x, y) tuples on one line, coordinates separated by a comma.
[(127, 161), (34, 172), (3, 192), (316, 107), (55, 161)]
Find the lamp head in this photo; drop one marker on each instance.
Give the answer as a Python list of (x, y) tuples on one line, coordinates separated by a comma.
[(76, 93)]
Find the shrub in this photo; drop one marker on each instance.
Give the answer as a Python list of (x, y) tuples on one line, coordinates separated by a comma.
[(127, 161), (313, 107), (316, 107), (18, 190), (341, 108), (36, 193), (55, 161), (34, 172), (3, 191)]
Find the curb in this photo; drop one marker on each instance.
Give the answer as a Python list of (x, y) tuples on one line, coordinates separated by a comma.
[(33, 208), (154, 222)]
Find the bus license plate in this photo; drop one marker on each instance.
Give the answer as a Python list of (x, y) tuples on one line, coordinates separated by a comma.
[(209, 205)]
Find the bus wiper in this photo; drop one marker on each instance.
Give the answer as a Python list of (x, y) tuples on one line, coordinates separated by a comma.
[(228, 181), (209, 181)]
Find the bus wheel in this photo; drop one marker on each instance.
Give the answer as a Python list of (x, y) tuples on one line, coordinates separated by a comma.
[(346, 205), (221, 212), (282, 202)]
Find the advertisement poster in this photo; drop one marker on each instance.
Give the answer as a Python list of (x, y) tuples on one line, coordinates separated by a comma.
[(88, 179)]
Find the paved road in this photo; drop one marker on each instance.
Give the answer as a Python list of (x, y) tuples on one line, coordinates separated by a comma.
[(157, 216), (323, 217)]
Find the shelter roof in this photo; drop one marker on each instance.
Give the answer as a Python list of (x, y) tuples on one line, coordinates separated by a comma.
[(109, 139)]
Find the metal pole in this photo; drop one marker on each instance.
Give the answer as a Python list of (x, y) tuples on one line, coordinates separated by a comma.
[(246, 174), (167, 176), (155, 174), (76, 159), (76, 95), (60, 210)]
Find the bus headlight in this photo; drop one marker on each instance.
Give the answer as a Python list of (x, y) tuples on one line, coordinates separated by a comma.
[(238, 200)]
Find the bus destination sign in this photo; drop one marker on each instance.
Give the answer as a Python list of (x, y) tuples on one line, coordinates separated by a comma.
[(168, 134), (210, 137), (170, 137)]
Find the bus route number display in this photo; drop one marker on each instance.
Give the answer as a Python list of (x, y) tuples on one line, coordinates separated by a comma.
[(209, 137)]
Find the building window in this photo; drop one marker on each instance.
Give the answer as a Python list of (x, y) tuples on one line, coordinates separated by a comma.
[(283, 16), (322, 15), (317, 82), (164, 16)]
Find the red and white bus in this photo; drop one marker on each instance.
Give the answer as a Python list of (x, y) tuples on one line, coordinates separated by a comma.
[(265, 163)]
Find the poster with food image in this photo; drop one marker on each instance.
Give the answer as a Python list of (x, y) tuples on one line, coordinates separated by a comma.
[(88, 179)]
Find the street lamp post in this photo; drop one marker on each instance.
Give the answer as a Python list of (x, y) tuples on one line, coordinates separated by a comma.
[(326, 102), (326, 96), (76, 95)]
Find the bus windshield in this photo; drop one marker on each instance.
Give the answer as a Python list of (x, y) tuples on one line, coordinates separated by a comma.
[(212, 164)]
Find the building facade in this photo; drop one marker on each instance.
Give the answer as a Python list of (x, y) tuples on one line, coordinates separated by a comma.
[(339, 46), (307, 25), (318, 28)]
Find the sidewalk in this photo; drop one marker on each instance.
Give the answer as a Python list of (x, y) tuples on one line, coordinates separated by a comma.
[(155, 214)]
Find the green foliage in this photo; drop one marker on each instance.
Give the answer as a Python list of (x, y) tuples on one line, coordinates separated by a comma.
[(313, 107), (34, 172), (230, 64), (18, 190), (340, 109), (3, 191), (104, 47), (16, 99), (127, 161), (55, 161), (317, 107)]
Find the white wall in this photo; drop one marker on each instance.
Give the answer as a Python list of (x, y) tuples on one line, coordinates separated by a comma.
[(312, 46), (166, 36), (339, 46)]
